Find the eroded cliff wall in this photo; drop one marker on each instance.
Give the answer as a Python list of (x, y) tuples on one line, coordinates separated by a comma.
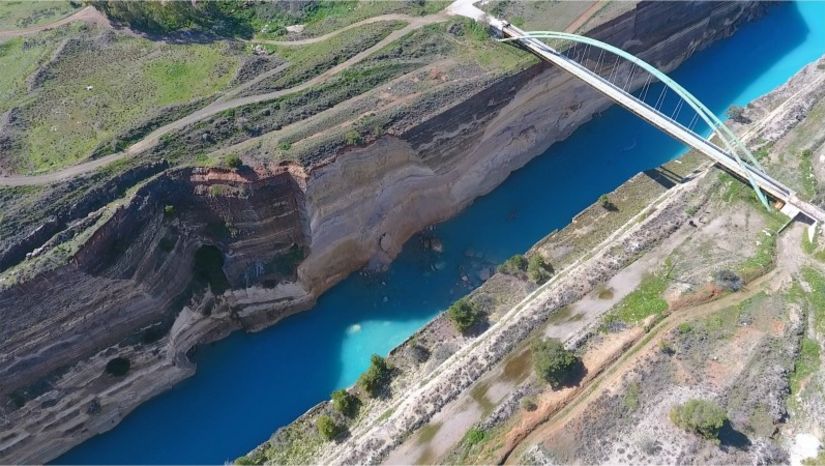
[(197, 253)]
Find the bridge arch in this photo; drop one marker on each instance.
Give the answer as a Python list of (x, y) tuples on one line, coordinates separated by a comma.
[(732, 143)]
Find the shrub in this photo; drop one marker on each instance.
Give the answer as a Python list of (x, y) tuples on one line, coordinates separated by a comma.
[(703, 417), (234, 162), (553, 363), (158, 17), (168, 210), (728, 280), (344, 402), (606, 203), (352, 137), (538, 271), (374, 378), (528, 403), (217, 190), (420, 354), (464, 315), (328, 428), (666, 347), (737, 114), (284, 145), (513, 265), (166, 244), (118, 367), (474, 436)]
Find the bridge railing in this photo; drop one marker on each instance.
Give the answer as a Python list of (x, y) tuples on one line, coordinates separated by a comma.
[(731, 142)]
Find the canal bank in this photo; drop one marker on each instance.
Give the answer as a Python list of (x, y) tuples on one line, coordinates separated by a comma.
[(248, 385)]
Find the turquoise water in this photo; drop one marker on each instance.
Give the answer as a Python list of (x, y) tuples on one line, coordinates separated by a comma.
[(249, 385)]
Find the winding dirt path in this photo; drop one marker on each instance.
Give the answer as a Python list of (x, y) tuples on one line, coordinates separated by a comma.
[(314, 40), (153, 138), (584, 17), (789, 261), (88, 14)]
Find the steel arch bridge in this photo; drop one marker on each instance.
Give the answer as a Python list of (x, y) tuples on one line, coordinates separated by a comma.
[(582, 52)]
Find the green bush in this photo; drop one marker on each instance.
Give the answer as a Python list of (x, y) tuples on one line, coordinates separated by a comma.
[(464, 315), (344, 402), (166, 244), (327, 427), (528, 403), (704, 417), (352, 138), (553, 363), (514, 265), (538, 271), (217, 190), (607, 204), (284, 145), (376, 376), (118, 367), (169, 210), (474, 436), (737, 114), (222, 17), (728, 279), (234, 162)]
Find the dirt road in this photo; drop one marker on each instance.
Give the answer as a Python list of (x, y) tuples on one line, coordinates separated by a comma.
[(88, 14), (153, 138)]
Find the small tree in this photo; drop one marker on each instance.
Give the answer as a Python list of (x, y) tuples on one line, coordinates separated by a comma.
[(728, 280), (118, 367), (464, 315), (538, 271), (374, 378), (513, 265), (234, 162), (553, 362), (528, 403), (327, 427), (352, 137), (703, 417), (737, 114), (475, 435), (344, 402), (604, 201)]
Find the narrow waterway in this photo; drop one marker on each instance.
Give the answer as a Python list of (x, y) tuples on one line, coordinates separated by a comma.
[(249, 385)]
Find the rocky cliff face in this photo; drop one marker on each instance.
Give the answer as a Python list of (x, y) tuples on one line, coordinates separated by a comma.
[(198, 253)]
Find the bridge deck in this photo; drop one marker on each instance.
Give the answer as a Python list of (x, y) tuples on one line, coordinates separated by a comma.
[(769, 185)]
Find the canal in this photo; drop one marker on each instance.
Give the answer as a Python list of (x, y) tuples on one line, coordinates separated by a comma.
[(248, 385)]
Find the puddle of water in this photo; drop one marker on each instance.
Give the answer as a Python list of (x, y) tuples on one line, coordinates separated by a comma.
[(479, 395), (427, 433), (518, 368)]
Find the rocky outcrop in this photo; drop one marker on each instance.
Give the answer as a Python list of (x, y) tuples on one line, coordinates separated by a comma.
[(198, 253), (143, 287)]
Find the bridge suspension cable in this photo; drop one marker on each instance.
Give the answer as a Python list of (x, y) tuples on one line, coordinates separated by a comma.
[(735, 147)]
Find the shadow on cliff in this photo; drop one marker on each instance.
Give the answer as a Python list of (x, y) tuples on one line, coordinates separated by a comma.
[(247, 386)]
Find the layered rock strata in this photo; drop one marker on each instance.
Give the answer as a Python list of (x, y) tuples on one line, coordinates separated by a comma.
[(197, 253)]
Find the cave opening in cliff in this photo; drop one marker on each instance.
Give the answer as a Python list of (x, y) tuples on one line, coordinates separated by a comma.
[(208, 269)]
